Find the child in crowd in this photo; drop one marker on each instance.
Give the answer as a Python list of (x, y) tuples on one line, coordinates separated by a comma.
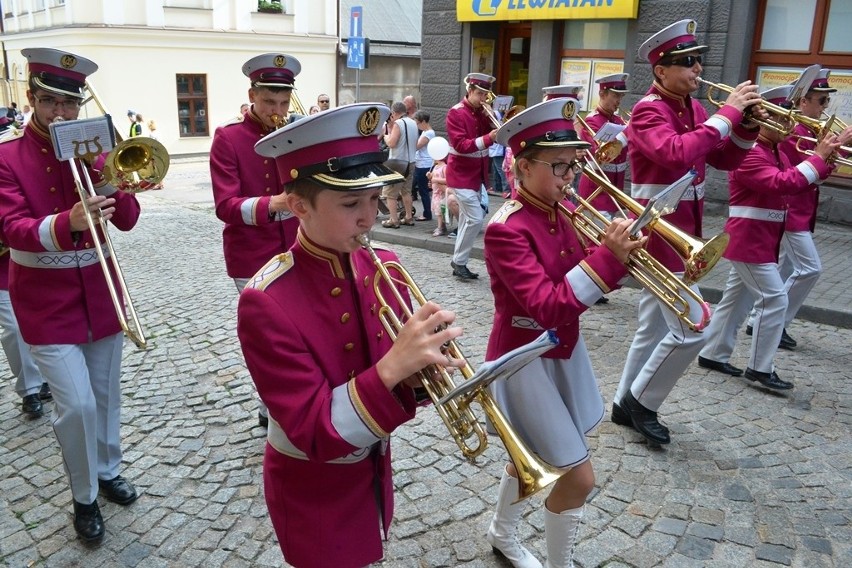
[(445, 207)]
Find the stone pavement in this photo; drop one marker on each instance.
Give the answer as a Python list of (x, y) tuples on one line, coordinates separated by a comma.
[(751, 479)]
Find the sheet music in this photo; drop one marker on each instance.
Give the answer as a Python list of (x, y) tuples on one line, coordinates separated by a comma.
[(609, 131), (76, 138)]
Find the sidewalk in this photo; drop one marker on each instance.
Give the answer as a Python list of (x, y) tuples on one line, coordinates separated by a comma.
[(830, 302)]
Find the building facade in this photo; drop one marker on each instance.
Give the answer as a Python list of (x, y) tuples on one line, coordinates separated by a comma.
[(177, 62), (529, 44)]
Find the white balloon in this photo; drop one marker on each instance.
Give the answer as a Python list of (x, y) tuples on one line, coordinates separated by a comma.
[(438, 148)]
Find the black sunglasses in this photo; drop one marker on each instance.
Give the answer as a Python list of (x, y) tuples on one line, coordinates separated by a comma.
[(685, 61)]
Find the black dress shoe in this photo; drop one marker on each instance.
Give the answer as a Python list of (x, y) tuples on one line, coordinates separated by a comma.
[(786, 342), (118, 490), (44, 393), (88, 522), (618, 416), (31, 406), (769, 380), (262, 420), (602, 300), (462, 272), (644, 421), (726, 368)]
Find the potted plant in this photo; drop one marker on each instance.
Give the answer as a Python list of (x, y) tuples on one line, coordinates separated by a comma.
[(269, 7)]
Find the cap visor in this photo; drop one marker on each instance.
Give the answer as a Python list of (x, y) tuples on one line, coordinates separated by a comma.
[(366, 176), (579, 144), (690, 49)]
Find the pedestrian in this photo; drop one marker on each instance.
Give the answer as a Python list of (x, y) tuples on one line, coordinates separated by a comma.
[(135, 127), (445, 206), (400, 136), (498, 184), (336, 385), (470, 132), (665, 144), (323, 102), (410, 105), (244, 108), (246, 188), (542, 277), (423, 163), (140, 126), (507, 167), (760, 189), (314, 109), (59, 291), (152, 129)]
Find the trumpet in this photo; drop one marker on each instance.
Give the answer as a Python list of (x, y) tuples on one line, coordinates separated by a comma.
[(782, 124), (839, 157), (606, 152), (458, 416), (699, 256)]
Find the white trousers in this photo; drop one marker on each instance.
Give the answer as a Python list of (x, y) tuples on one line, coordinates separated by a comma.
[(471, 218), (86, 386), (241, 283), (28, 378), (749, 284), (662, 349), (801, 252)]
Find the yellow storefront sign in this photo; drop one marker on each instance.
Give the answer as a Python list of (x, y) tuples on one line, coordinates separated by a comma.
[(494, 10)]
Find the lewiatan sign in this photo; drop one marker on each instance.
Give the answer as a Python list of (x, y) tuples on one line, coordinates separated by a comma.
[(498, 10)]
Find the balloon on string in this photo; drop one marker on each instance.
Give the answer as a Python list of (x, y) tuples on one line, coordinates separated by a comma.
[(438, 148)]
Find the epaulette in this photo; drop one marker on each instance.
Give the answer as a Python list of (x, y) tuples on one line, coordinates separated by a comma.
[(509, 207), (278, 265), (650, 98), (11, 134), (236, 120), (458, 105)]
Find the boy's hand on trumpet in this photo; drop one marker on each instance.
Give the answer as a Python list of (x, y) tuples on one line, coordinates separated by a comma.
[(419, 344)]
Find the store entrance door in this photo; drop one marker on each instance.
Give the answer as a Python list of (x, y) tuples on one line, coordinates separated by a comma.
[(514, 62)]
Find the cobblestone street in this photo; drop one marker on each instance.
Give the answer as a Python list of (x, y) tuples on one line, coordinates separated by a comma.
[(750, 479)]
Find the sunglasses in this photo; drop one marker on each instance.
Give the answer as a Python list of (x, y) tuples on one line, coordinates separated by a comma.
[(685, 61), (323, 101)]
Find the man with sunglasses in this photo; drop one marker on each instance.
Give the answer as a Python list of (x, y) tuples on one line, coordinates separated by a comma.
[(671, 134), (58, 290)]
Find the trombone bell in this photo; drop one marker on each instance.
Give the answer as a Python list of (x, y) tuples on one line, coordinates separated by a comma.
[(136, 164)]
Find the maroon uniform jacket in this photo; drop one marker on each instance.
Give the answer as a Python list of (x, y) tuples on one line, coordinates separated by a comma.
[(309, 328), (801, 207), (541, 275), (671, 135), (760, 188), (468, 132), (58, 289), (243, 183), (615, 170)]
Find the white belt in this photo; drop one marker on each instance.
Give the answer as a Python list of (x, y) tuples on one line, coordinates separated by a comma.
[(614, 168), (281, 443), (757, 213), (525, 323), (649, 190), (477, 154), (60, 259)]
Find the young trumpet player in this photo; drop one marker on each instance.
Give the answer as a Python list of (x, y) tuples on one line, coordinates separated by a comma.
[(671, 134), (760, 189), (246, 187), (335, 382), (542, 277), (58, 289)]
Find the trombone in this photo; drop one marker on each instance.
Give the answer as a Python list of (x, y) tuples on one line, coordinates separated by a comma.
[(458, 416), (606, 152), (699, 256), (492, 116), (839, 157)]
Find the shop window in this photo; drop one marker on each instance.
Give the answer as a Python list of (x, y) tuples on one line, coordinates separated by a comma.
[(192, 105), (591, 49)]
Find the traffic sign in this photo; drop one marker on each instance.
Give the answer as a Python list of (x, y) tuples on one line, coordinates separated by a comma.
[(356, 22), (356, 57)]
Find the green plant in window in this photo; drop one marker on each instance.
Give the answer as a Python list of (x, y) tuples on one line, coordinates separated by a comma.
[(270, 7)]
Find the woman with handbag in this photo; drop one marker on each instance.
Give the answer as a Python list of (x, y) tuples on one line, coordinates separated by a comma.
[(401, 137)]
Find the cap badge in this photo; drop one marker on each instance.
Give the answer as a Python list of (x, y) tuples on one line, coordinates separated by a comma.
[(568, 110), (368, 121), (279, 61), (690, 28), (68, 61)]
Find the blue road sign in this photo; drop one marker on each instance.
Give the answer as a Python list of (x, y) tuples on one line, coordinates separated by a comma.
[(356, 22), (356, 57)]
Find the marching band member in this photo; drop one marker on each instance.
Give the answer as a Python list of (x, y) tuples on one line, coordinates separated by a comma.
[(612, 90), (335, 383), (798, 242), (470, 132), (246, 187), (543, 278), (759, 189), (670, 134), (59, 291)]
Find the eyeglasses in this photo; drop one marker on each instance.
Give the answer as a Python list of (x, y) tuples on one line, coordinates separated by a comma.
[(685, 61), (66, 104), (561, 168), (822, 101)]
